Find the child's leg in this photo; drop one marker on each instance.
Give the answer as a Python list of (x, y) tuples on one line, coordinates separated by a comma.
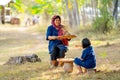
[(85, 70), (79, 69)]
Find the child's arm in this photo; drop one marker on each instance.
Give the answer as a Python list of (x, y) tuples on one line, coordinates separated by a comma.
[(81, 59), (84, 54)]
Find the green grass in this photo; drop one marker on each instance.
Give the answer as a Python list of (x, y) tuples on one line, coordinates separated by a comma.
[(15, 42)]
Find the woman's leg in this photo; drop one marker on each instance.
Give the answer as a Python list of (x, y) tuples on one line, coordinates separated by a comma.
[(62, 50), (53, 56), (61, 53)]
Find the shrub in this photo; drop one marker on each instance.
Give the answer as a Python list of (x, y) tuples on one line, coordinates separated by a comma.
[(103, 25)]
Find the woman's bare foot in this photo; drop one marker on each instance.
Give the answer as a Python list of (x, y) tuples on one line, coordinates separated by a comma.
[(85, 72), (79, 73), (52, 67)]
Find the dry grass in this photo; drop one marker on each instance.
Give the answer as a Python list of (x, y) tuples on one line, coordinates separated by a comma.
[(16, 41)]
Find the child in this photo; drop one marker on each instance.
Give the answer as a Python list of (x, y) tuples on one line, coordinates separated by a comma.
[(87, 59)]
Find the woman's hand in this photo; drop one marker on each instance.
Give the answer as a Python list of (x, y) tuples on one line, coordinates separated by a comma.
[(52, 37), (55, 37), (60, 37)]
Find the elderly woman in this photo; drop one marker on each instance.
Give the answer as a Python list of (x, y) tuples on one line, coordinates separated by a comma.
[(57, 47)]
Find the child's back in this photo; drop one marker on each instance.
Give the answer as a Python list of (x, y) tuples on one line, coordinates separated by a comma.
[(87, 59)]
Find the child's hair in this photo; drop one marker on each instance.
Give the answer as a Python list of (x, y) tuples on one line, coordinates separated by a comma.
[(86, 43)]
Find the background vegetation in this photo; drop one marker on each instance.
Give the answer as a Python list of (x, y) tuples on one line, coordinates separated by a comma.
[(95, 19)]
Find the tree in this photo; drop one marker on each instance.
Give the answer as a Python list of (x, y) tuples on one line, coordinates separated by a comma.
[(3, 14), (104, 23), (73, 12), (115, 12)]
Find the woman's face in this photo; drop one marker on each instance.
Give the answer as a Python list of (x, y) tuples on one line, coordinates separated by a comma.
[(57, 21)]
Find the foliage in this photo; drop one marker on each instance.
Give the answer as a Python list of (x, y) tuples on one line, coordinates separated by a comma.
[(104, 23), (80, 3), (38, 6), (118, 24), (49, 6), (19, 6)]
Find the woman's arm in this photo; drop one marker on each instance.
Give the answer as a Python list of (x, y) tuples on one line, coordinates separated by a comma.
[(52, 37), (49, 34)]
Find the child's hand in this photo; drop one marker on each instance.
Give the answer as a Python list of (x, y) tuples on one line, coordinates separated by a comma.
[(78, 46), (81, 59)]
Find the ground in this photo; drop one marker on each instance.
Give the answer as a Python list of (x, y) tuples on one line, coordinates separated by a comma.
[(15, 41)]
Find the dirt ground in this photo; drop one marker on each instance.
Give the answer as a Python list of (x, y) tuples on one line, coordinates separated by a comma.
[(16, 41)]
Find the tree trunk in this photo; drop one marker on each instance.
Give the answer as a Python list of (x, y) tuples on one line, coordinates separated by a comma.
[(84, 20), (73, 13), (115, 12), (3, 14), (76, 14), (69, 13)]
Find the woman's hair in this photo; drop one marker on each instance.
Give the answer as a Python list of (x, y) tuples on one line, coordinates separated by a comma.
[(86, 43), (55, 17)]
